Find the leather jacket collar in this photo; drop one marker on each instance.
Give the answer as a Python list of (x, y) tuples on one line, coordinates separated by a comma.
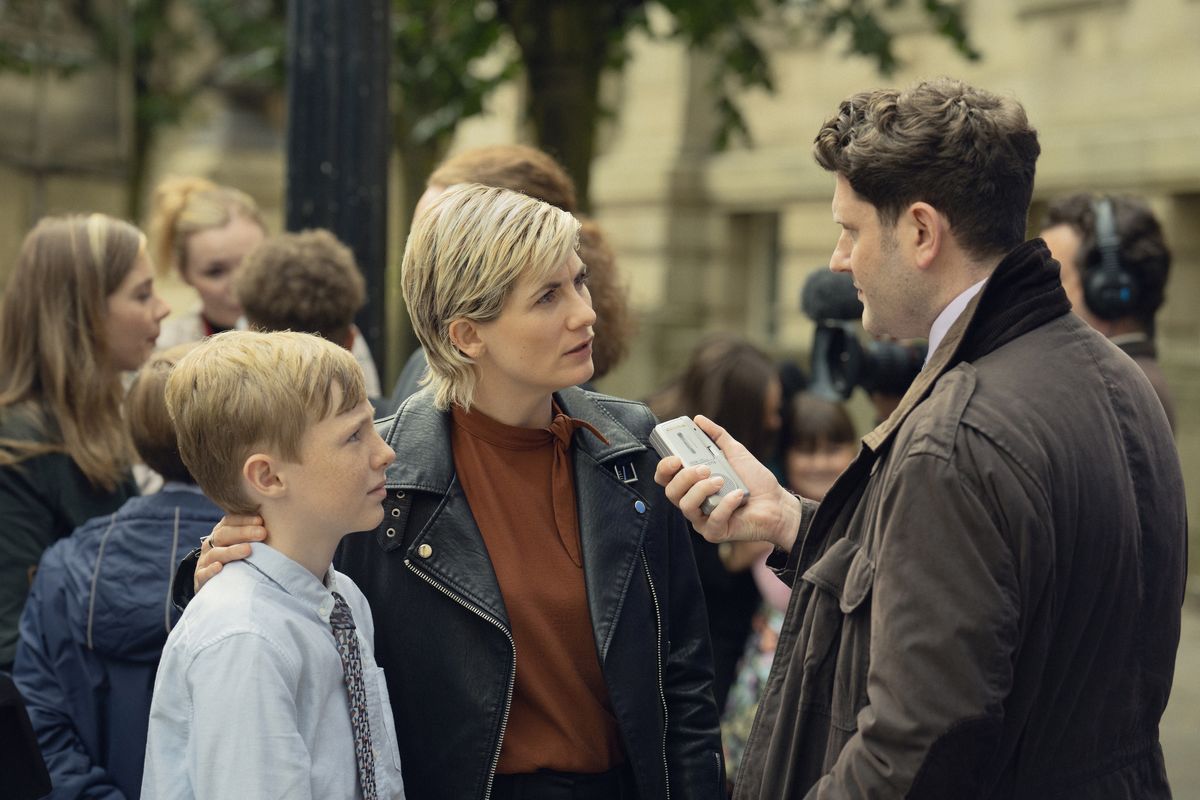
[(426, 430)]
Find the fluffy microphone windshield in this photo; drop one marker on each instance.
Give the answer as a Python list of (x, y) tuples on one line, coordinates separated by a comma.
[(829, 295)]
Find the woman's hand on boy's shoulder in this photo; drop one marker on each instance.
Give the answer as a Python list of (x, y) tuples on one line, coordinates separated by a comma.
[(229, 541)]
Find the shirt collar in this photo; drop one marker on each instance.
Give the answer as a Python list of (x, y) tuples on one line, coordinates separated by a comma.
[(1134, 337), (292, 577), (949, 315), (180, 486)]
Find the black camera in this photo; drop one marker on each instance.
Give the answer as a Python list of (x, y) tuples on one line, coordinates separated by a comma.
[(840, 360)]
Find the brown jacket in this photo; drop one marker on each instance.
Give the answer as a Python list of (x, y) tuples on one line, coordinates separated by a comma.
[(987, 603), (1144, 353)]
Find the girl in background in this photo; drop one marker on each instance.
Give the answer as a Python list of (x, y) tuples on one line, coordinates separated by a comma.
[(79, 309), (205, 231)]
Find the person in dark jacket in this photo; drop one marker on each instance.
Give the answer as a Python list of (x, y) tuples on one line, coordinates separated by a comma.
[(539, 615), (100, 610), (987, 602), (1122, 300), (79, 309)]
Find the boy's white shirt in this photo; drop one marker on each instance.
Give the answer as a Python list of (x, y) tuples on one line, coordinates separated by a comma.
[(250, 699)]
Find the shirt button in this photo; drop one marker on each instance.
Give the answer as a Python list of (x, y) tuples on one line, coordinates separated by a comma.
[(639, 507), (424, 551)]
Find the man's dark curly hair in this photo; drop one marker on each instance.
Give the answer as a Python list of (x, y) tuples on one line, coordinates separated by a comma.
[(969, 153)]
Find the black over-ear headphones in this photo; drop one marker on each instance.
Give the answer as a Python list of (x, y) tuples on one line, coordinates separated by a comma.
[(1109, 290)]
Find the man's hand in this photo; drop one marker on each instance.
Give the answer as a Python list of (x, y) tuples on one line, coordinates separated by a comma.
[(229, 541), (771, 514)]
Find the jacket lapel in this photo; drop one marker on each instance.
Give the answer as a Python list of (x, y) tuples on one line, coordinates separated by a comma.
[(448, 549), (611, 527)]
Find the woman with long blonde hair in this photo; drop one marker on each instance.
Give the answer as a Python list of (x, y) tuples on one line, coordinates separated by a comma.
[(79, 309)]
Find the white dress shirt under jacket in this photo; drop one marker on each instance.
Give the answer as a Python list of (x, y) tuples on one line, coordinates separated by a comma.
[(250, 700), (950, 315)]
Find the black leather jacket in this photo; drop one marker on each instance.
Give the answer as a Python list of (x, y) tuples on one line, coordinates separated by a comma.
[(442, 632)]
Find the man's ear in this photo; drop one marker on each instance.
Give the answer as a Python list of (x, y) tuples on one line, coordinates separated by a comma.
[(261, 475), (464, 335), (928, 229)]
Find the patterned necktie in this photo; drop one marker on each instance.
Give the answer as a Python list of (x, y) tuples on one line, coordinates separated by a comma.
[(347, 644)]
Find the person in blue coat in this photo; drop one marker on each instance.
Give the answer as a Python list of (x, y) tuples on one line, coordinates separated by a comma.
[(100, 610)]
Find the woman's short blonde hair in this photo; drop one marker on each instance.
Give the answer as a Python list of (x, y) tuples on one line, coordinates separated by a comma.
[(240, 392), (464, 256)]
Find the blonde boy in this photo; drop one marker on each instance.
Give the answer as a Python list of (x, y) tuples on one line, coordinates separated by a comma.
[(268, 686)]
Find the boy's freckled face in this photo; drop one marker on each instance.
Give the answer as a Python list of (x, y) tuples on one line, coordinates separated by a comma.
[(339, 480)]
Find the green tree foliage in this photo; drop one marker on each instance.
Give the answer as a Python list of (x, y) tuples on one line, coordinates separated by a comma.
[(566, 44), (169, 51), (447, 58)]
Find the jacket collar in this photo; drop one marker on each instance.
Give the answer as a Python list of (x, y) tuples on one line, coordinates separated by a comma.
[(421, 429), (1135, 345), (1024, 292)]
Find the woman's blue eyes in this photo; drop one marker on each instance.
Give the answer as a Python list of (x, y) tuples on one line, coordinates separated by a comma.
[(580, 281), (354, 437)]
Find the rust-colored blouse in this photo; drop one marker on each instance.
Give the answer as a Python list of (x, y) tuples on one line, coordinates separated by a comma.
[(521, 489)]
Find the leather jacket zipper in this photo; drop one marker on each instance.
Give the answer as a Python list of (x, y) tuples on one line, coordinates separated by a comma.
[(512, 676), (662, 695)]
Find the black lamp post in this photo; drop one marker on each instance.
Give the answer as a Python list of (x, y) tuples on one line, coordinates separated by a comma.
[(338, 136)]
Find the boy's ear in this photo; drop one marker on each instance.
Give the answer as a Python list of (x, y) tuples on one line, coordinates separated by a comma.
[(262, 477), (464, 335)]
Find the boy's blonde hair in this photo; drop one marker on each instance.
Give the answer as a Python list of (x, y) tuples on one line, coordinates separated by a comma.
[(240, 392), (464, 255)]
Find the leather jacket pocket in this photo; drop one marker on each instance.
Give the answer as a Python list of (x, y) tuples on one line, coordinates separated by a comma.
[(838, 622)]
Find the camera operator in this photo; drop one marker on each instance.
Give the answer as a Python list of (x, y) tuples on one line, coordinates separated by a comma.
[(1115, 264), (987, 602)]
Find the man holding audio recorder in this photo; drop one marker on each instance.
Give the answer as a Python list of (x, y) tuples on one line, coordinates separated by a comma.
[(987, 602)]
